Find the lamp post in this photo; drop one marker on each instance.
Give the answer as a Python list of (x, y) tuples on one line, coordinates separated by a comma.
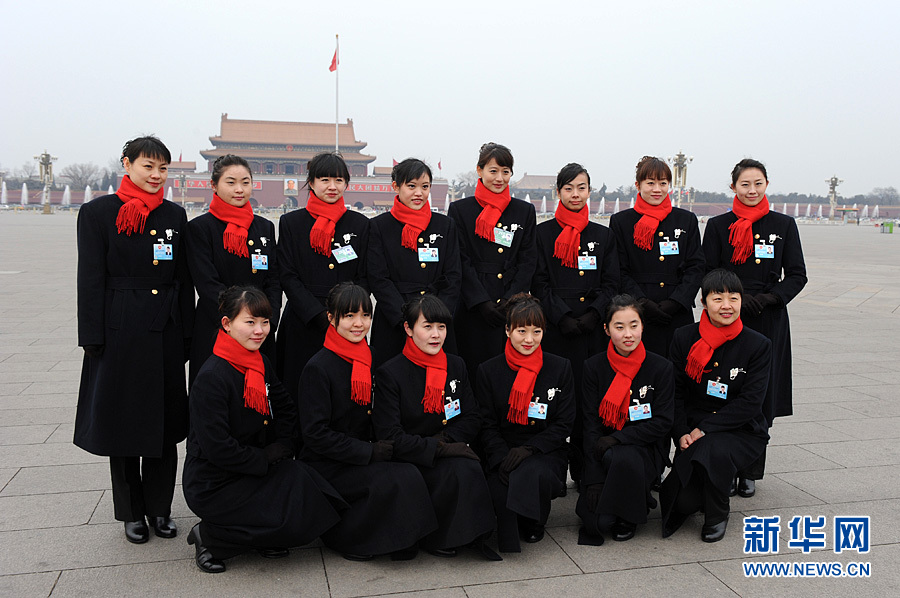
[(679, 163), (833, 182), (45, 162), (182, 183)]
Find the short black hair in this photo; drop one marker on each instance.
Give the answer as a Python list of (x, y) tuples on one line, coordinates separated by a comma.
[(494, 151), (649, 167), (235, 298), (720, 280), (347, 298), (620, 302), (410, 169), (747, 164), (223, 162), (428, 306), (149, 146), (523, 309), (568, 174), (327, 165)]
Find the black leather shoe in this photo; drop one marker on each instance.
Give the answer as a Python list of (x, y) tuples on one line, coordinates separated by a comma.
[(484, 550), (713, 533), (163, 527), (674, 522), (206, 562), (442, 552), (273, 553), (623, 530), (136, 532), (532, 532), (359, 558), (733, 490), (746, 488)]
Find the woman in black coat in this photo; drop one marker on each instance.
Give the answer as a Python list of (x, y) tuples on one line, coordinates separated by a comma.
[(424, 404), (230, 245), (660, 256), (628, 413), (239, 477), (721, 373), (412, 251), (135, 313), (577, 275), (498, 255), (767, 257), (390, 509), (527, 401), (318, 246)]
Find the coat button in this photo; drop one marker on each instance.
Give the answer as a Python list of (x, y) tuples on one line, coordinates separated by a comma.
[(444, 422), (265, 422), (630, 391), (581, 299), (250, 242), (579, 248), (153, 231), (369, 412), (715, 364), (662, 284), (662, 258), (499, 250), (581, 273), (421, 240), (253, 271), (532, 422), (155, 292), (758, 261), (331, 266), (660, 233), (756, 236), (499, 225), (500, 275), (422, 265), (155, 262)]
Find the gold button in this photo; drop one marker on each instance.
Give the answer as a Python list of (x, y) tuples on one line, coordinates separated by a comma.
[(369, 412), (581, 273), (499, 250), (444, 422), (630, 392), (660, 233), (421, 292), (422, 265), (155, 292), (331, 266), (715, 364), (499, 225), (498, 301), (153, 231), (662, 258), (155, 262), (758, 261), (581, 299), (421, 240), (250, 242), (579, 248), (500, 275), (756, 236), (532, 422), (253, 271), (265, 422), (662, 284), (714, 412)]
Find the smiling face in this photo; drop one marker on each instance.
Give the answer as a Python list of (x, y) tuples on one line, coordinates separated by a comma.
[(414, 194), (234, 186), (149, 174), (750, 187), (723, 309), (353, 326), (428, 336), (329, 189), (494, 177), (625, 330), (525, 339), (653, 191), (248, 330), (574, 194)]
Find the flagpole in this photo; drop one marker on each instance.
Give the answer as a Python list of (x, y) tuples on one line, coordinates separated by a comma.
[(337, 70)]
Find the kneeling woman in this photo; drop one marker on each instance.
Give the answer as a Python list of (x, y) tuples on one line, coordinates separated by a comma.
[(628, 412), (239, 477), (424, 404), (721, 374), (527, 400), (390, 508)]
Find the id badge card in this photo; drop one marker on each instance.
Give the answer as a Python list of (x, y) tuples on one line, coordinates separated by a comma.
[(668, 248), (428, 254), (259, 261), (765, 252), (452, 409), (162, 251), (537, 410), (714, 388), (639, 412), (344, 254), (503, 237), (587, 262)]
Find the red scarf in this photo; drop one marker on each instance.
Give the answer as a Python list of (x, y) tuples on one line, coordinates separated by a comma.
[(138, 204), (741, 236), (614, 406), (250, 364), (238, 220), (493, 204), (568, 241), (360, 356), (711, 338), (651, 216), (326, 215), (522, 390), (435, 374), (415, 221)]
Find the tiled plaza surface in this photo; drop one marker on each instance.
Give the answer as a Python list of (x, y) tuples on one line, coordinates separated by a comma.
[(837, 455)]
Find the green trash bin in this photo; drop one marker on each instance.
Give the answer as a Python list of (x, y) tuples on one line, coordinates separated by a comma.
[(887, 227)]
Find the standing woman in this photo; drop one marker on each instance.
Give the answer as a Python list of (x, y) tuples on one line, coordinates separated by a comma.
[(424, 404), (390, 509), (660, 255), (721, 373), (318, 246), (577, 275), (230, 245), (412, 252), (239, 475), (763, 248), (628, 413), (498, 255), (527, 401), (135, 313)]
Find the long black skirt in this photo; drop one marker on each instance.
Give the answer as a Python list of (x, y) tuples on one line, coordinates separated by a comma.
[(461, 501)]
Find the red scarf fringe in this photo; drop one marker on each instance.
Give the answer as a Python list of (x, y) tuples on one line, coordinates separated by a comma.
[(493, 205), (137, 206), (568, 241), (360, 356), (614, 406), (250, 364), (326, 214), (741, 235), (651, 216), (528, 367), (435, 375), (238, 221), (415, 221), (711, 338)]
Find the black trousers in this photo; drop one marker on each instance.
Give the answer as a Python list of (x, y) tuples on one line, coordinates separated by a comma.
[(702, 493), (143, 486), (755, 470)]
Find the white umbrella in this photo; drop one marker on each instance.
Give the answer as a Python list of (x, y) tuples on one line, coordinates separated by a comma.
[(602, 209), (875, 212), (796, 210), (67, 197), (87, 193), (3, 198), (616, 208), (544, 205), (808, 209), (110, 191), (24, 194)]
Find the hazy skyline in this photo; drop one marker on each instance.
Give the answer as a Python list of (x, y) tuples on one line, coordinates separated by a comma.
[(809, 88)]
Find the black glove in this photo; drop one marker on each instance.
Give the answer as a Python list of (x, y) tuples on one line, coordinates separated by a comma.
[(592, 496), (442, 436), (514, 458), (603, 444), (94, 351), (276, 452), (768, 300), (320, 322), (568, 326), (491, 314), (653, 313), (669, 307), (455, 449), (751, 305), (589, 320), (382, 450)]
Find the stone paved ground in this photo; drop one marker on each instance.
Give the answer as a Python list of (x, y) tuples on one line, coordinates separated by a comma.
[(836, 456)]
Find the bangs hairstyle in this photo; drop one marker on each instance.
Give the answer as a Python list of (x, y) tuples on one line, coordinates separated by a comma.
[(523, 309), (620, 302), (747, 164), (428, 306), (327, 165), (652, 168), (409, 170), (568, 174), (223, 162), (148, 146), (494, 151), (347, 298), (720, 281), (233, 299)]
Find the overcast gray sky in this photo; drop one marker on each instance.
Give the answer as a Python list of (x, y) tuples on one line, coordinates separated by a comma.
[(810, 88)]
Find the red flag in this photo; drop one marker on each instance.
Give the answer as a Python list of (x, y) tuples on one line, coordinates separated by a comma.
[(395, 162), (334, 62), (439, 165), (179, 156)]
